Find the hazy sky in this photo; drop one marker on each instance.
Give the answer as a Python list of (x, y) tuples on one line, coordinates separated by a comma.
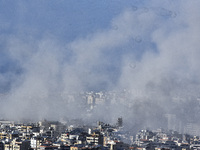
[(27, 24), (50, 47), (66, 20)]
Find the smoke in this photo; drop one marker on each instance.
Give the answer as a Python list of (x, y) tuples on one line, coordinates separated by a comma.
[(150, 51)]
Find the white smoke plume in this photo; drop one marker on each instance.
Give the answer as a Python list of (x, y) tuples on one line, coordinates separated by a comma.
[(150, 50)]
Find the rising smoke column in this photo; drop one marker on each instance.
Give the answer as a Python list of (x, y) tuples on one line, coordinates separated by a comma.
[(151, 50)]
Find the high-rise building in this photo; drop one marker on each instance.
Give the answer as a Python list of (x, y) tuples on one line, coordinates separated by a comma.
[(119, 122)]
